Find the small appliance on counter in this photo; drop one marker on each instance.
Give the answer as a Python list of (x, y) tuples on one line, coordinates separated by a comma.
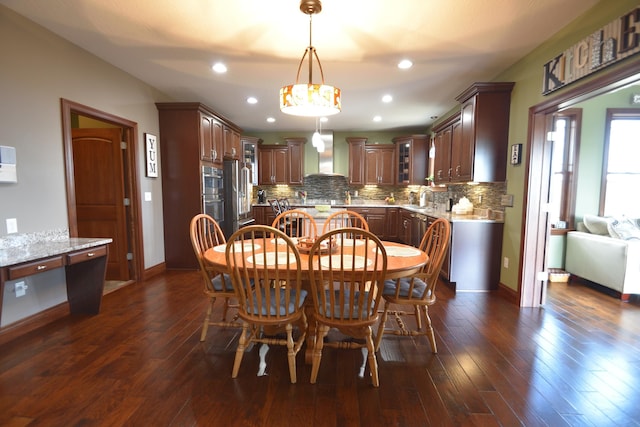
[(262, 196)]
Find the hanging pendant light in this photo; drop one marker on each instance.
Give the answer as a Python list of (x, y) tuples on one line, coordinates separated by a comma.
[(310, 99)]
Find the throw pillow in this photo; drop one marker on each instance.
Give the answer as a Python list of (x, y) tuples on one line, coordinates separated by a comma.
[(597, 224), (625, 229)]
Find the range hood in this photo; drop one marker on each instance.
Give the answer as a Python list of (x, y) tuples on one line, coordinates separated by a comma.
[(325, 159)]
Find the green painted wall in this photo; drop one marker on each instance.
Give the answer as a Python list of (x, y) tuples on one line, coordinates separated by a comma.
[(527, 74)]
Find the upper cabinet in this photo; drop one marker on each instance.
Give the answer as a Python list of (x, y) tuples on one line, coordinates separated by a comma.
[(281, 164), (479, 140), (379, 164), (232, 143), (412, 159), (211, 138), (194, 126), (356, 160), (296, 159), (250, 155)]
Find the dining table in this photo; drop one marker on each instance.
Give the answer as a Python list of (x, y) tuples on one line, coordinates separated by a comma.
[(402, 261)]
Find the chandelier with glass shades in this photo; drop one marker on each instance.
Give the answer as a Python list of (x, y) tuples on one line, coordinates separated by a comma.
[(310, 99)]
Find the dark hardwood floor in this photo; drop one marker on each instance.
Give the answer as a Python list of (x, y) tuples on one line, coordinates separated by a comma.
[(575, 362)]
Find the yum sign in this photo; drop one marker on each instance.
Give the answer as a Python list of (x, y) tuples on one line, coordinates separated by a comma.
[(614, 42)]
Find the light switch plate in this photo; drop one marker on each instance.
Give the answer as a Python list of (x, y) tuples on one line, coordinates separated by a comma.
[(147, 196), (507, 200), (12, 225)]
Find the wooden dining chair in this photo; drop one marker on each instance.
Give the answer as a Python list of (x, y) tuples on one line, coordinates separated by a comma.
[(346, 285), (275, 206), (205, 234), (417, 290), (344, 218), (268, 285), (296, 223), (284, 204)]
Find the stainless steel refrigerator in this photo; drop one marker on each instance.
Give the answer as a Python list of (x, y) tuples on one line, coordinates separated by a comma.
[(238, 192)]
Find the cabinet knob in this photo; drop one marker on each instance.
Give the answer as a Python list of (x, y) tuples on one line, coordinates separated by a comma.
[(450, 170)]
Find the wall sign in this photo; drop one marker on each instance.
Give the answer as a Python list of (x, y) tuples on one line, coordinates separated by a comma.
[(612, 43), (151, 150), (516, 154)]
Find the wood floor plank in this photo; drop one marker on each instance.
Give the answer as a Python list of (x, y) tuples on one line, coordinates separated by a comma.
[(573, 362)]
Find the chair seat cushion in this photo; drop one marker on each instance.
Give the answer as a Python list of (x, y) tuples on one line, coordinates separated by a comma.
[(273, 309), (405, 284), (219, 285), (344, 311)]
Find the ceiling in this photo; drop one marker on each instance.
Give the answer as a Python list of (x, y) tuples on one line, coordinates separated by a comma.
[(172, 45)]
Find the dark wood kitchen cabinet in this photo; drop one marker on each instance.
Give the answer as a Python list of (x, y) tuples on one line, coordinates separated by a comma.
[(356, 160), (191, 136), (479, 142), (376, 218), (272, 164), (379, 164), (443, 142), (232, 143), (296, 160), (281, 164), (412, 159)]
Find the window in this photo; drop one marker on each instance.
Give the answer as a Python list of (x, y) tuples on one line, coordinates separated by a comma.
[(562, 186), (621, 168)]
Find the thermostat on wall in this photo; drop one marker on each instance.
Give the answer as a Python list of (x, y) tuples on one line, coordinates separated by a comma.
[(8, 164)]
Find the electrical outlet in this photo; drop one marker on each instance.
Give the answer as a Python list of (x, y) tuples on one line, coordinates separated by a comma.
[(505, 262), (20, 289), (12, 225)]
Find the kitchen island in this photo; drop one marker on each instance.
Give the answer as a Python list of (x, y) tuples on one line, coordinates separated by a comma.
[(472, 263)]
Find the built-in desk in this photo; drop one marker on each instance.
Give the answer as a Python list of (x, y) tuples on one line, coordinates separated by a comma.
[(84, 261)]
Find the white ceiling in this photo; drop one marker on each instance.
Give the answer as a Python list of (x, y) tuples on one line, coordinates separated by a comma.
[(171, 45)]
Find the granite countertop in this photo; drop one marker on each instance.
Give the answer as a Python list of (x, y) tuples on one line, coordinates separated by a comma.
[(31, 251), (479, 215)]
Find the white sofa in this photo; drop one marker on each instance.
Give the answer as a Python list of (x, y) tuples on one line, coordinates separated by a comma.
[(609, 261)]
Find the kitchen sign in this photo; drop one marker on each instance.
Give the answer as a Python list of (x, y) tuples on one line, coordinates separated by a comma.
[(612, 43)]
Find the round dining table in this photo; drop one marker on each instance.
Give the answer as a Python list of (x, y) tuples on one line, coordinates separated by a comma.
[(402, 261)]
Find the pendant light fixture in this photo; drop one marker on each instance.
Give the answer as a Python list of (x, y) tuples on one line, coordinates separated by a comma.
[(310, 99)]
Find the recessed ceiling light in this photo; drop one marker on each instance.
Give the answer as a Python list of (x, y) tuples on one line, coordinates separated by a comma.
[(387, 98), (271, 120), (219, 68), (377, 119), (252, 100), (404, 64)]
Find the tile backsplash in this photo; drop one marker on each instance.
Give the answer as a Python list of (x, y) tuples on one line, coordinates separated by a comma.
[(334, 187)]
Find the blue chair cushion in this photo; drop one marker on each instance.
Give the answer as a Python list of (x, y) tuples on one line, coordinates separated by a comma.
[(405, 283), (219, 285), (272, 309), (343, 312)]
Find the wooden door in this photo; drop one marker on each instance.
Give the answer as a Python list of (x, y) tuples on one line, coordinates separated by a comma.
[(99, 191)]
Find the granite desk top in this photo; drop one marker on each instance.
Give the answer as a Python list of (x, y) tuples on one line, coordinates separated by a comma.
[(32, 251)]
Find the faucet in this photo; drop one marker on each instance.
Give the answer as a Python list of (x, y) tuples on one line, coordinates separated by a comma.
[(424, 195)]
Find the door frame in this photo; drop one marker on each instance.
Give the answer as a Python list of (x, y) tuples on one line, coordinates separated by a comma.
[(129, 135), (533, 245)]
